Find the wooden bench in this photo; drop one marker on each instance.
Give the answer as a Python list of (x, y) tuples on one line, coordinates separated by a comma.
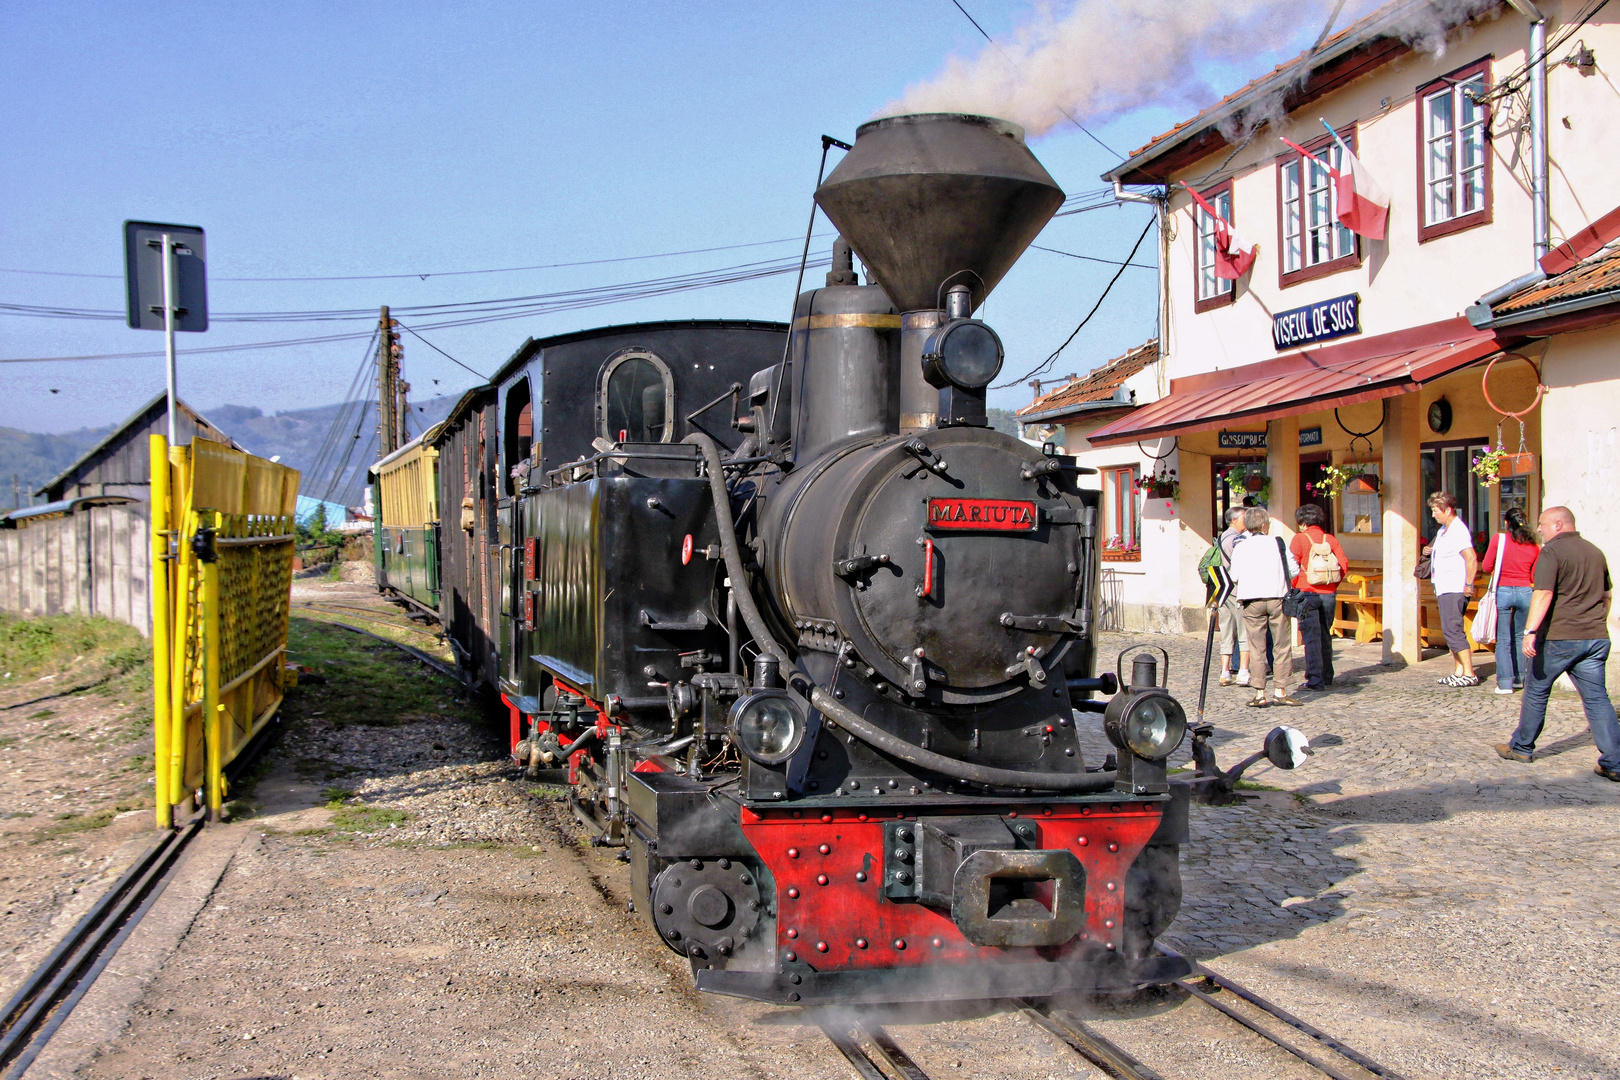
[(1429, 632), (1360, 606)]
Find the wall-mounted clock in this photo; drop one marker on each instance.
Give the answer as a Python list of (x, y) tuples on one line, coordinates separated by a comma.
[(1440, 417)]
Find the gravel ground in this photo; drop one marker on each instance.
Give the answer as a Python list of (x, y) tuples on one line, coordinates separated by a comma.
[(1448, 913)]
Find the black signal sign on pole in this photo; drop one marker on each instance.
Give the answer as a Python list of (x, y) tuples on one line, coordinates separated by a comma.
[(143, 275)]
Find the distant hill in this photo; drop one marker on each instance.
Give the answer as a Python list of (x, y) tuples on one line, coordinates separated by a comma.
[(31, 458), (331, 445)]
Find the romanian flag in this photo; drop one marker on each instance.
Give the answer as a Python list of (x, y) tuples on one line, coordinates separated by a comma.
[(1232, 261), (1363, 204)]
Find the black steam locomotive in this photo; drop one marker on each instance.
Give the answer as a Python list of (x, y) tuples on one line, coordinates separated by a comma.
[(801, 631)]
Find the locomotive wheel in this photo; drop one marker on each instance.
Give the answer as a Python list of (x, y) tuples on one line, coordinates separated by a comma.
[(706, 909)]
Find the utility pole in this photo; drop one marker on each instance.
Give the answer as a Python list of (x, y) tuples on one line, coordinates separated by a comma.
[(387, 375), (16, 492)]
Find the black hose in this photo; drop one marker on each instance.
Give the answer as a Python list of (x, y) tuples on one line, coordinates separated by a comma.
[(733, 555), (845, 717), (909, 752), (580, 743)]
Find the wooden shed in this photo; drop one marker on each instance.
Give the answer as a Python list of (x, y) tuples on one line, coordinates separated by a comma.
[(88, 550)]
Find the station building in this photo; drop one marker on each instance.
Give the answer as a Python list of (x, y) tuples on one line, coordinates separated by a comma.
[(1397, 359)]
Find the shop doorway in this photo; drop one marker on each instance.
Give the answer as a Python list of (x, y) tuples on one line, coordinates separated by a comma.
[(1312, 471), (1445, 467)]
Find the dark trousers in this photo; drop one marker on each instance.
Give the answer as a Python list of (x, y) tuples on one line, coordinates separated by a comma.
[(1316, 628), (1583, 659)]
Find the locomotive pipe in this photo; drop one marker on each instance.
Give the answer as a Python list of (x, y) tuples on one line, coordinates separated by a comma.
[(728, 547), (913, 754)]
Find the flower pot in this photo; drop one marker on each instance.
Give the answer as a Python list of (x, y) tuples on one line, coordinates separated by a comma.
[(1517, 465), (1254, 482)]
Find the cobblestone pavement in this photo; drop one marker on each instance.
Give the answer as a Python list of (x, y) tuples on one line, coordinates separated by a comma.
[(1449, 912)]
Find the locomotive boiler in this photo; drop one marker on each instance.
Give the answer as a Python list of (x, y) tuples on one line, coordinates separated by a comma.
[(807, 637)]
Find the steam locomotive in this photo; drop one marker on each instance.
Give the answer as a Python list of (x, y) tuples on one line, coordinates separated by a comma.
[(800, 631)]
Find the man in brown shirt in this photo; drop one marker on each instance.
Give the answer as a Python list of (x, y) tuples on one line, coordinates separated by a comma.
[(1568, 631)]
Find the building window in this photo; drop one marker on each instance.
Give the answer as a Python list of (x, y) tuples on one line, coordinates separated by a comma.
[(1211, 291), (1454, 166), (1122, 520), (1364, 510), (1313, 243)]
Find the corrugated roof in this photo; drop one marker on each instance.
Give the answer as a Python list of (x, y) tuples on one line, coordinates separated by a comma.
[(1099, 385), (1306, 381), (1599, 274)]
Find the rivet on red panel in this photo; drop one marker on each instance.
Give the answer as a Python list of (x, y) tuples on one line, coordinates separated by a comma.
[(793, 894), (825, 849), (900, 944), (821, 879)]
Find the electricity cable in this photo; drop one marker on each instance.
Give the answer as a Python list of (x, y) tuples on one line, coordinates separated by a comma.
[(438, 350), (1007, 58), (1058, 351)]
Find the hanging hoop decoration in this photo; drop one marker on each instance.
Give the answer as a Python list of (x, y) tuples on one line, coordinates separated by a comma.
[(1497, 461), (1354, 435)]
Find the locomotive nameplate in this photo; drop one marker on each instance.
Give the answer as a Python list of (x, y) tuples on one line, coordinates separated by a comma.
[(995, 515)]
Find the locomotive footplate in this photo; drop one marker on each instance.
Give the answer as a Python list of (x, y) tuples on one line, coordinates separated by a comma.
[(946, 982)]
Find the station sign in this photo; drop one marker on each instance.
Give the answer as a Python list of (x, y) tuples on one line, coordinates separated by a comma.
[(1243, 440), (1317, 322), (1310, 436)]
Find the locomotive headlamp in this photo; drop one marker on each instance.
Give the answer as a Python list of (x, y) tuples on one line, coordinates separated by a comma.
[(767, 725), (1143, 718), (1149, 723), (964, 353)]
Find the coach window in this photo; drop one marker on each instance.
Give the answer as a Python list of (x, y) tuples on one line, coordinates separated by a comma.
[(637, 399), (519, 430), (1454, 161)]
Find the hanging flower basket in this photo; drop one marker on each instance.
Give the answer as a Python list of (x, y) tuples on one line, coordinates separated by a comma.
[(1335, 478), (1250, 478), (1487, 465), (1160, 486), (1518, 464)]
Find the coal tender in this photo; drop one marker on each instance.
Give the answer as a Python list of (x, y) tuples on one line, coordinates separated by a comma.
[(821, 672)]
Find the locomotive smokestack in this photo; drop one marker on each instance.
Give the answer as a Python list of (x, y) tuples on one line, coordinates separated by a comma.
[(938, 199)]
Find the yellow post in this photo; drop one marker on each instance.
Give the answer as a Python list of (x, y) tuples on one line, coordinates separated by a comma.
[(213, 737), (182, 630), (161, 642)]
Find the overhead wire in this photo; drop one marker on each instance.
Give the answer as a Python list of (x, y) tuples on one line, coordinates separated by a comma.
[(438, 350), (423, 276), (1004, 56), (1106, 289)]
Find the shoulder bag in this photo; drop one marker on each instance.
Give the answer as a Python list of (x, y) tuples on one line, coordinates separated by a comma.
[(1484, 628), (1294, 601)]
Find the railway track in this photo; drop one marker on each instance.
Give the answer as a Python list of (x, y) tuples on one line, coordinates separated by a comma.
[(874, 1055), (51, 991)]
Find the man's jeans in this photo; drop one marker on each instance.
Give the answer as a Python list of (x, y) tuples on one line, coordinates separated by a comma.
[(1512, 609), (1583, 659), (1316, 627)]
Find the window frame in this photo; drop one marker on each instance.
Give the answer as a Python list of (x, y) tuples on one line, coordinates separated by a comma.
[(1202, 304), (1447, 83), (613, 364), (1119, 499), (1286, 277)]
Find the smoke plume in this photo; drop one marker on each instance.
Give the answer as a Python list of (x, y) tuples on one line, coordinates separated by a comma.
[(1097, 59)]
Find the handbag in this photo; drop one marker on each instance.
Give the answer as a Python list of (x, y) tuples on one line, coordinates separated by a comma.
[(1424, 569), (1484, 627), (1294, 601)]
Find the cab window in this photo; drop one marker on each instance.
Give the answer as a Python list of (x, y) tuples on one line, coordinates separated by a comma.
[(637, 399)]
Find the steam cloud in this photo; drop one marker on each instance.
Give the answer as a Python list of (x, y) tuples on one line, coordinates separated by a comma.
[(1101, 58)]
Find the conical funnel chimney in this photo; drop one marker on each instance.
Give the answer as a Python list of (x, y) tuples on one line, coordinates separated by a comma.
[(938, 199)]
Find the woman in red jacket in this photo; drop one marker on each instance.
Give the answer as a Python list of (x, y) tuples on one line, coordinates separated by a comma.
[(1322, 566), (1516, 549)]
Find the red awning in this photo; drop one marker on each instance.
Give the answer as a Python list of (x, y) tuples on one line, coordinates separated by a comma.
[(1307, 381)]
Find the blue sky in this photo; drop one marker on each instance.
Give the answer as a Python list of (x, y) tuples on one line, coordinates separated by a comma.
[(320, 139)]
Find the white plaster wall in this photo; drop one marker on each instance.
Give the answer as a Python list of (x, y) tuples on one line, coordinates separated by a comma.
[(1403, 283)]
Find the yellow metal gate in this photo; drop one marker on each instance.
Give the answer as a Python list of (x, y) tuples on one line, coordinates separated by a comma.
[(222, 551)]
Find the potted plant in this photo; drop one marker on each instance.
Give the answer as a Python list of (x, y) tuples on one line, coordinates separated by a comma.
[(1487, 464), (1335, 478), (1161, 485), (1250, 478)]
